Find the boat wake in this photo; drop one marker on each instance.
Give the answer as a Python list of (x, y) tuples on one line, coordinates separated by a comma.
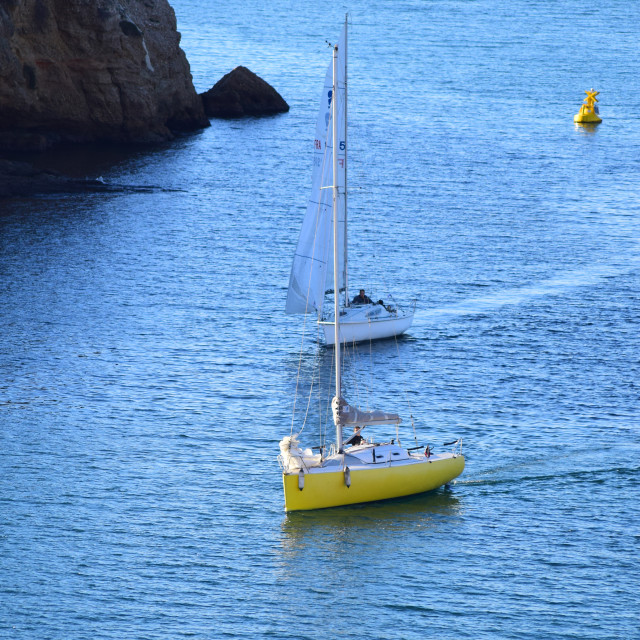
[(537, 471), (552, 286)]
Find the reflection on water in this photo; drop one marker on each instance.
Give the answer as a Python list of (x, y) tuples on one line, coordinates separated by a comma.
[(364, 523), (373, 535), (85, 160), (588, 128)]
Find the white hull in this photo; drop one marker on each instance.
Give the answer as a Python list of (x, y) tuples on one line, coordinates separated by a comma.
[(371, 322)]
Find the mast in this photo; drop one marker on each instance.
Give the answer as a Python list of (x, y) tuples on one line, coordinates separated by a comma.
[(346, 166), (336, 276)]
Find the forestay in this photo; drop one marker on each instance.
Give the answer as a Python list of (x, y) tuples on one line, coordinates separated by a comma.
[(313, 260)]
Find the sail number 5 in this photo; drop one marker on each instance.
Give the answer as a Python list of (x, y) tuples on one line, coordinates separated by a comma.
[(317, 144)]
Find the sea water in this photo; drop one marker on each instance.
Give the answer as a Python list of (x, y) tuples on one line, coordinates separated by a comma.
[(147, 369)]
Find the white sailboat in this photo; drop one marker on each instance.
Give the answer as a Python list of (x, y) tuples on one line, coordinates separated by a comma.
[(312, 269), (357, 470)]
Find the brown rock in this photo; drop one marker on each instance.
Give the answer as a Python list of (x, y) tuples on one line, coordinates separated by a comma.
[(72, 70), (242, 93)]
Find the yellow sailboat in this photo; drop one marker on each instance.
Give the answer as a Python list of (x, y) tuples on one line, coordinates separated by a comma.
[(357, 469), (589, 109)]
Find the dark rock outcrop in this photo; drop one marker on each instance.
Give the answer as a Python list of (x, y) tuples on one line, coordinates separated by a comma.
[(242, 93), (109, 70), (22, 179)]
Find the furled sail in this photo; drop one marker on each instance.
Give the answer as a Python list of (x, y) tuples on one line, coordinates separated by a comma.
[(313, 260), (344, 414)]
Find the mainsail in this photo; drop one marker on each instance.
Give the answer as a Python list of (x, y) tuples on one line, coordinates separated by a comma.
[(313, 260), (346, 415)]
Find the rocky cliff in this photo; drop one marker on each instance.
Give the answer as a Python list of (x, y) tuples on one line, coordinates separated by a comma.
[(105, 70)]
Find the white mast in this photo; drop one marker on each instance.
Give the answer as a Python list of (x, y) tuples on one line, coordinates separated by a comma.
[(336, 275), (346, 166)]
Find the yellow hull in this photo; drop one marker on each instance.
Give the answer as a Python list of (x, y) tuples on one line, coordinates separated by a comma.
[(329, 489), (585, 115)]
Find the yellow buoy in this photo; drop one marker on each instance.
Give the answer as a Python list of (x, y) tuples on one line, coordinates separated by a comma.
[(589, 109)]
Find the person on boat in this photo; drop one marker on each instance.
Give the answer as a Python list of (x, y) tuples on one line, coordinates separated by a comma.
[(361, 298), (356, 438)]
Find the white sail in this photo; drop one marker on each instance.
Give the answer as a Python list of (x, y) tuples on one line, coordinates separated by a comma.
[(313, 260)]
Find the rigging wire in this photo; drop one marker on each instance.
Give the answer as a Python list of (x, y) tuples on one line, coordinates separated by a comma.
[(304, 422), (395, 337), (304, 324), (406, 395)]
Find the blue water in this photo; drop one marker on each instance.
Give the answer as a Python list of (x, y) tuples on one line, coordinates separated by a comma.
[(147, 370)]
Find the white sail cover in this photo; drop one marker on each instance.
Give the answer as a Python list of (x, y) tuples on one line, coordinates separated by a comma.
[(344, 414), (313, 260)]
